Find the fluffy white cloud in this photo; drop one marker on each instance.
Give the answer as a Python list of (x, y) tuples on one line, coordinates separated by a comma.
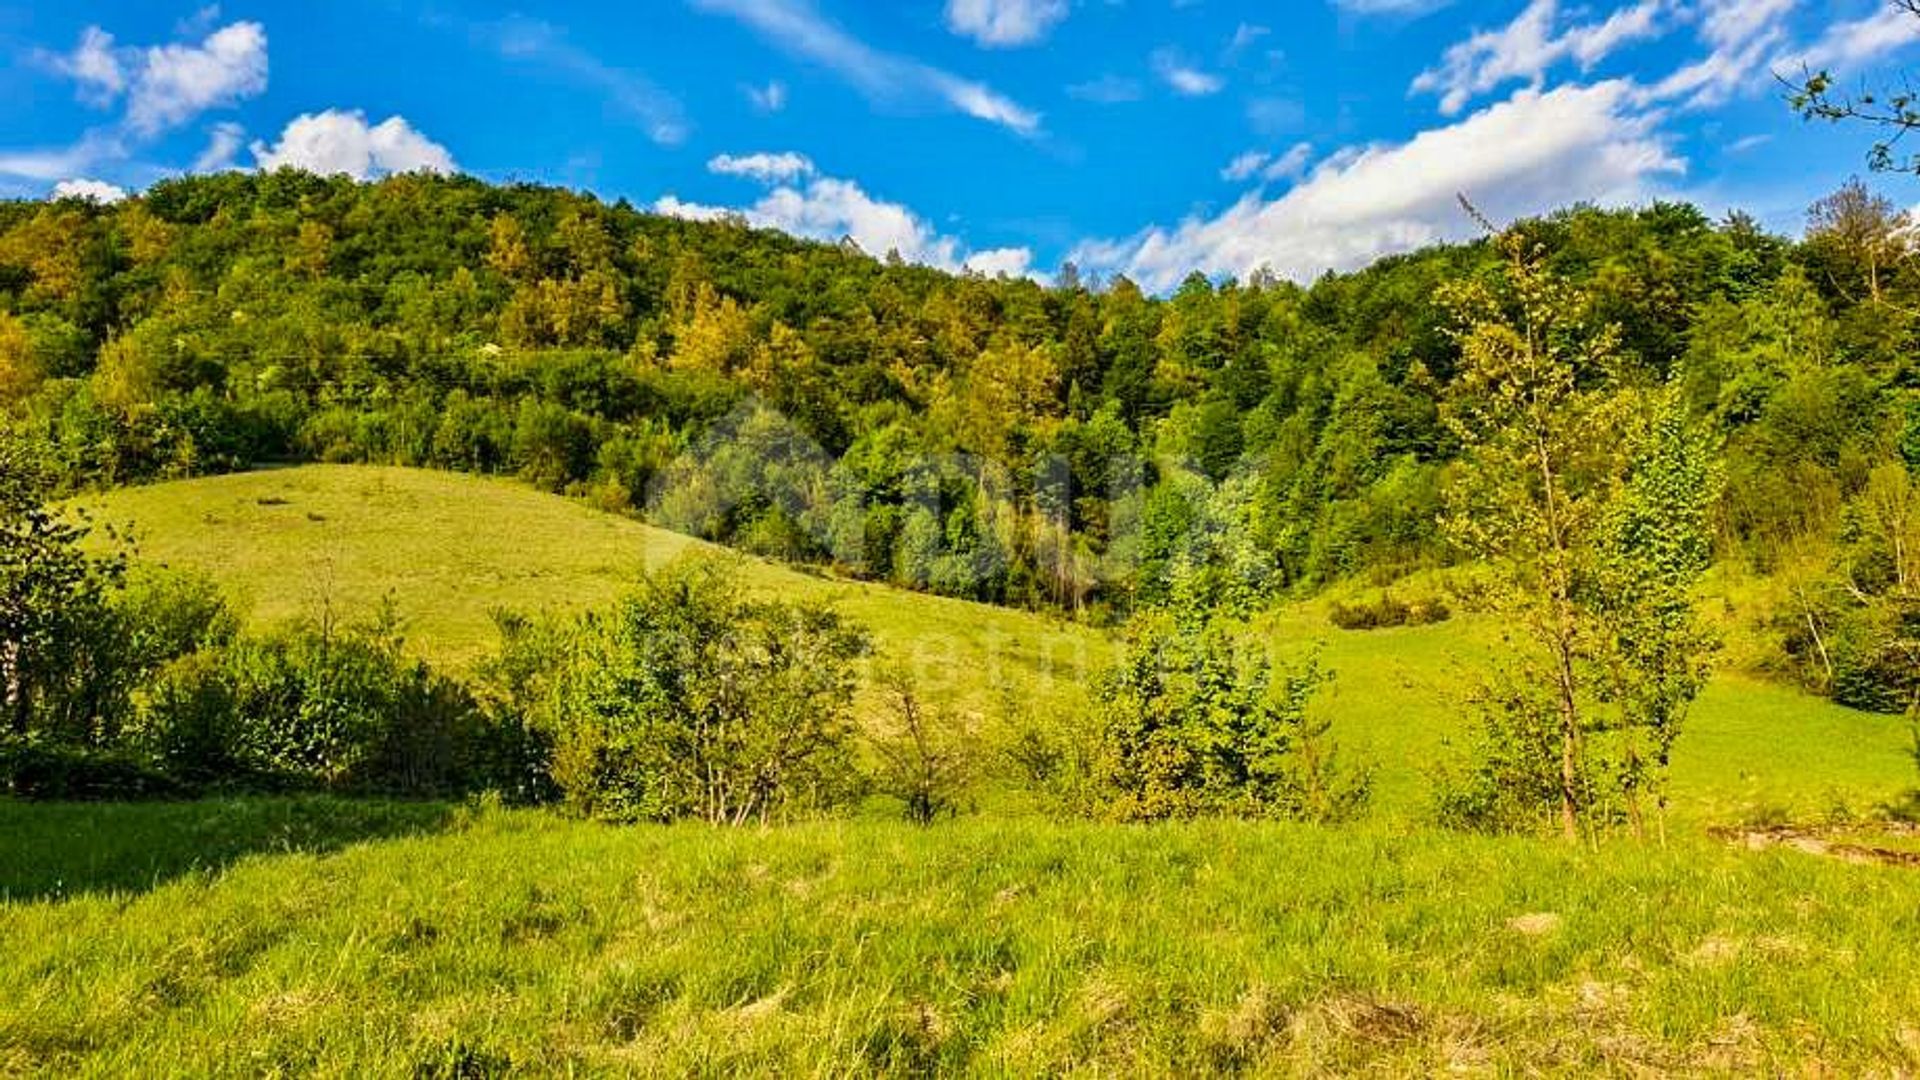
[(337, 141), (93, 190), (166, 86), (804, 203), (175, 83), (223, 148), (1185, 79), (766, 168), (796, 27), (94, 66), (1002, 23), (1558, 146), (1525, 48)]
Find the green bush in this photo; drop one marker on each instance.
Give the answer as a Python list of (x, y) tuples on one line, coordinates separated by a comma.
[(689, 700), (1193, 723)]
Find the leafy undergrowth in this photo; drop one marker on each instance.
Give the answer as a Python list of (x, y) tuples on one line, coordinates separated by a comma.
[(524, 941)]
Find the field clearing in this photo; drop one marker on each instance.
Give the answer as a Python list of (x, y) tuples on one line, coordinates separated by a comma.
[(447, 549), (467, 943)]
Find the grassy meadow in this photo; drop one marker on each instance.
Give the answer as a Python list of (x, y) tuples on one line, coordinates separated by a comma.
[(318, 936), (446, 549)]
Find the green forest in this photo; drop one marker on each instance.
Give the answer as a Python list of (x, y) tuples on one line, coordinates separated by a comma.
[(1083, 447)]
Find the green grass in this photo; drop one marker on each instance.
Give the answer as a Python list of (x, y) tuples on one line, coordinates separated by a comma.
[(1012, 947), (448, 548), (346, 938)]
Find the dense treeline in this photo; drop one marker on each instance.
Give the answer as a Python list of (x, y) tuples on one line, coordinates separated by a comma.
[(1084, 446)]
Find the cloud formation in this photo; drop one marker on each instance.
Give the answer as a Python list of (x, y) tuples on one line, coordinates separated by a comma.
[(92, 190), (1005, 23), (338, 142), (800, 201), (166, 86), (1526, 47), (795, 27), (1575, 142), (1183, 77)]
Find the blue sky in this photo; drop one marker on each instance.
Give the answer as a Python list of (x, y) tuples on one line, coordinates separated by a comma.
[(1149, 137)]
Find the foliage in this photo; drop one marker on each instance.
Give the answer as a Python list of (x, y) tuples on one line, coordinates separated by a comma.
[(926, 757), (1077, 447), (1596, 540), (691, 700), (1388, 610), (1193, 723)]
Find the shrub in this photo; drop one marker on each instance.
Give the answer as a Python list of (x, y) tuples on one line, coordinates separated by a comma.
[(1388, 611), (925, 758), (689, 700), (1192, 724)]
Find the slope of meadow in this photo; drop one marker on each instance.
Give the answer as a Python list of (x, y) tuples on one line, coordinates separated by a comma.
[(274, 936), (446, 549)]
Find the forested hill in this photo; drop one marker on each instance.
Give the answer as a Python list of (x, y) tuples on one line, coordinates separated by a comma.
[(1081, 445)]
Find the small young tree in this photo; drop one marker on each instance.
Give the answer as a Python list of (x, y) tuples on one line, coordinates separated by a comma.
[(1191, 724), (925, 758), (691, 700), (1588, 499)]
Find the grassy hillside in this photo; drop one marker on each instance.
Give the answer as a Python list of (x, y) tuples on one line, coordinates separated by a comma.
[(448, 548), (467, 945)]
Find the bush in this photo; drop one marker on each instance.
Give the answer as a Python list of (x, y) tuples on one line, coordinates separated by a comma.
[(1192, 724), (1388, 611), (927, 760), (343, 711), (31, 770), (689, 700)]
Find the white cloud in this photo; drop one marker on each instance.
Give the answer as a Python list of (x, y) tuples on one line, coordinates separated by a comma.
[(807, 204), (57, 163), (335, 141), (1185, 79), (223, 148), (1269, 166), (1003, 23), (657, 112), (93, 190), (175, 83), (166, 86), (1011, 262), (1556, 147), (770, 98), (1526, 47), (796, 27), (767, 168), (1740, 36), (1847, 44), (95, 66)]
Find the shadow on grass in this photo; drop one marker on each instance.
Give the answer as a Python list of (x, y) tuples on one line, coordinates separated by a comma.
[(50, 850)]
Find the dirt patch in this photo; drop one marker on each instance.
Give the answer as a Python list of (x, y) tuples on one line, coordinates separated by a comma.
[(1827, 843)]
